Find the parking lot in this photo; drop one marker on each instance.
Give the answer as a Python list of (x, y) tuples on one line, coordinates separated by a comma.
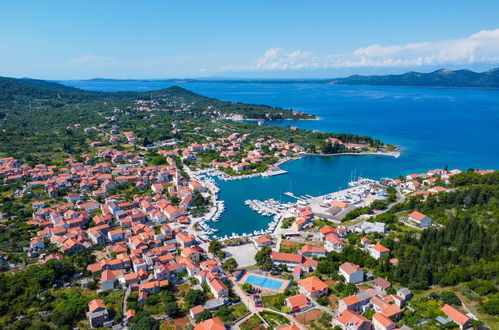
[(244, 254)]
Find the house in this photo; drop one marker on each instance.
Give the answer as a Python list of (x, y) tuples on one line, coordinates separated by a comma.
[(351, 320), (107, 280), (195, 311), (191, 254), (423, 221), (288, 259), (299, 224), (392, 311), (262, 241), (333, 243), (287, 327), (210, 324), (351, 272), (404, 293), (371, 227), (297, 303), (185, 240), (130, 315), (152, 286), (313, 251), (161, 272), (352, 303), (313, 287), (381, 322), (381, 284), (462, 320), (116, 235), (172, 212), (378, 250), (97, 313), (218, 288)]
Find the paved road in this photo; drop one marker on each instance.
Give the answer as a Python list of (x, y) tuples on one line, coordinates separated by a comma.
[(128, 291)]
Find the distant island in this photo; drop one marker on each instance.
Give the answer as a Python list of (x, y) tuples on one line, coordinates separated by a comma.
[(438, 78)]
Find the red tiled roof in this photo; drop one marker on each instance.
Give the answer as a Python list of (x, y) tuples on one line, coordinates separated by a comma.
[(96, 304), (298, 301), (380, 248), (289, 257), (312, 283), (349, 268), (417, 216), (455, 315), (210, 324), (383, 320)]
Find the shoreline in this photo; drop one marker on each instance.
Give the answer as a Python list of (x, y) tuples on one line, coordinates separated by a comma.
[(287, 119), (264, 174), (395, 154)]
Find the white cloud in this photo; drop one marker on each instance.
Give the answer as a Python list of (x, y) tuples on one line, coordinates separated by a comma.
[(480, 47), (276, 58), (89, 58)]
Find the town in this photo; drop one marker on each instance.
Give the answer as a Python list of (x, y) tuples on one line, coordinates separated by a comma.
[(109, 222), (141, 225)]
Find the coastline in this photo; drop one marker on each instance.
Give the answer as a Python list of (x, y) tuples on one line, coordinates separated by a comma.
[(395, 154), (287, 119)]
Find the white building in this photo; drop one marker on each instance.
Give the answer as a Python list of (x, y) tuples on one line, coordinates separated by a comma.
[(351, 272), (420, 219)]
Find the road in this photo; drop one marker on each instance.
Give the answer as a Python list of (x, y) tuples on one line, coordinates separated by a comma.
[(128, 291)]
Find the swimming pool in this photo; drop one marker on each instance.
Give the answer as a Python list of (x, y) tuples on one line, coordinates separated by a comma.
[(264, 282)]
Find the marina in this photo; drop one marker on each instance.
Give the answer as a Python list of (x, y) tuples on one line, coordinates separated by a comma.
[(344, 109)]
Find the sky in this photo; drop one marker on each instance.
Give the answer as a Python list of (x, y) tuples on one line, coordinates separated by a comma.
[(58, 39)]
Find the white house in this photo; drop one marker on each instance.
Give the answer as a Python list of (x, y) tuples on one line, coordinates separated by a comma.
[(351, 272), (378, 250), (420, 219)]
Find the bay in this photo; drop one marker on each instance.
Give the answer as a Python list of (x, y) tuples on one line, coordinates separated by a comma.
[(435, 127)]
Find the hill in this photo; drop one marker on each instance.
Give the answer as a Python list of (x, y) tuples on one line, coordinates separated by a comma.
[(439, 78), (39, 119)]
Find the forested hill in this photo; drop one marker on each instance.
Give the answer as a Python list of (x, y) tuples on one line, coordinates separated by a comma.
[(439, 78), (31, 91), (46, 118)]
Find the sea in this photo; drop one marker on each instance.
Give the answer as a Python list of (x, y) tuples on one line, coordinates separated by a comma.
[(434, 127)]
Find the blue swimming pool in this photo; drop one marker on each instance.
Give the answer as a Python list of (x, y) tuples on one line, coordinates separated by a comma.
[(264, 282)]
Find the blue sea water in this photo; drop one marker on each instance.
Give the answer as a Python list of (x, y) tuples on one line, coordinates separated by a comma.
[(434, 127)]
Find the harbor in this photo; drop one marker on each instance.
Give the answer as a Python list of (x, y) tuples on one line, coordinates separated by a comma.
[(255, 206), (333, 206)]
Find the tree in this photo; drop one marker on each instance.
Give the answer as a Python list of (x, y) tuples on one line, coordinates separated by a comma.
[(69, 309), (323, 301), (450, 298), (215, 247), (246, 287), (172, 309), (158, 160), (145, 322), (492, 305), (263, 258), (204, 315), (325, 319), (230, 265), (224, 314), (194, 297)]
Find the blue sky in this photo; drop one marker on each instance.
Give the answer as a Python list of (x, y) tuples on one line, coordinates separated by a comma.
[(175, 39)]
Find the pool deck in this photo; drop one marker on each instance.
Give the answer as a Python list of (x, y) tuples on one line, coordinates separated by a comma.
[(284, 286)]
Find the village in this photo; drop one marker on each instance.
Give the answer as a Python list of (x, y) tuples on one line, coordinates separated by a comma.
[(147, 227)]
